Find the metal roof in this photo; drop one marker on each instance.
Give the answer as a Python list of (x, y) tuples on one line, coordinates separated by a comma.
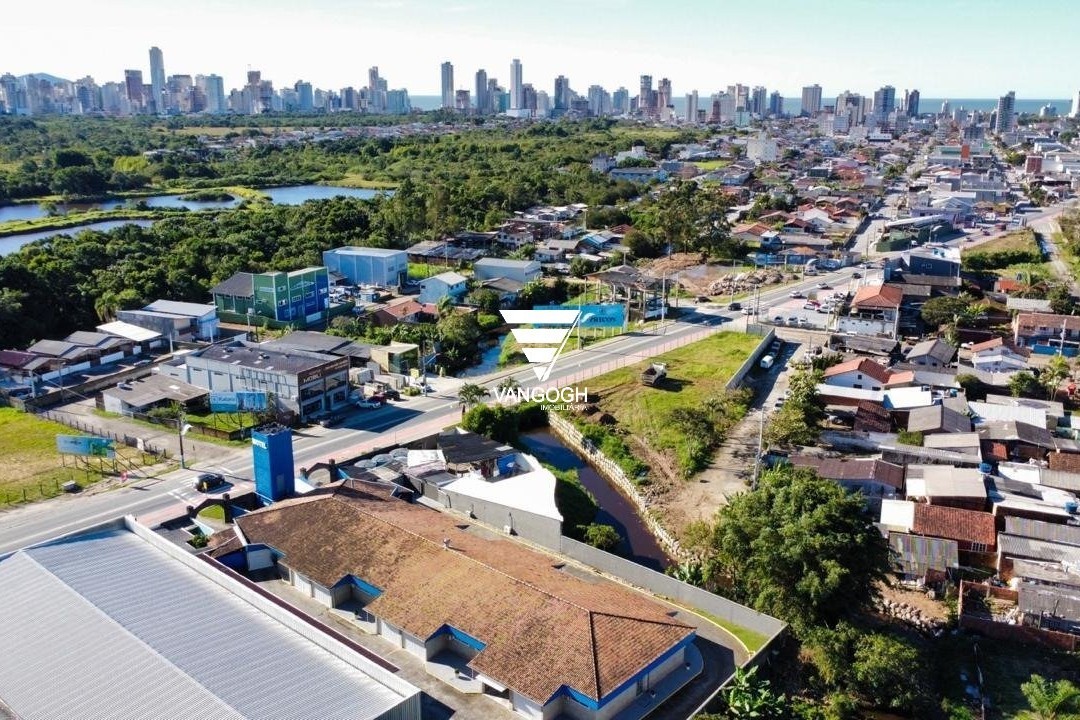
[(107, 625), (187, 309), (129, 331), (915, 555), (1023, 547), (1040, 530)]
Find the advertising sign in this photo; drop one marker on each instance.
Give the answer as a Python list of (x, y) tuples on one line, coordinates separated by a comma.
[(241, 401), (606, 315), (85, 445)]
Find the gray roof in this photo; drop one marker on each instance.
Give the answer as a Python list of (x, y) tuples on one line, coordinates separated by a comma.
[(57, 348), (863, 343), (254, 356), (88, 338), (241, 284), (1060, 479), (153, 389), (1045, 572), (1040, 530), (937, 348), (506, 263), (367, 251), (1023, 547), (943, 418), (1045, 600), (187, 309), (1013, 431), (916, 554), (142, 632), (307, 340), (1028, 304)]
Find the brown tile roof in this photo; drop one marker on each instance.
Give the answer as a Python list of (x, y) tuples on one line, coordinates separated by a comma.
[(542, 628), (987, 345), (1032, 321), (878, 296), (872, 417), (1069, 462), (857, 470), (955, 524), (866, 366)]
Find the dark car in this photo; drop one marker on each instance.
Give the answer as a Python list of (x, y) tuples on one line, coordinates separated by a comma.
[(734, 306), (856, 275), (208, 482)]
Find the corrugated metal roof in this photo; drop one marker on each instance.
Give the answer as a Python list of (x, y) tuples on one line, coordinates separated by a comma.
[(1053, 573), (916, 555), (1043, 599), (141, 633), (1016, 546), (1039, 530)]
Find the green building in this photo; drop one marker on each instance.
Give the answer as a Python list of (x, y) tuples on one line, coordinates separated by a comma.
[(300, 296)]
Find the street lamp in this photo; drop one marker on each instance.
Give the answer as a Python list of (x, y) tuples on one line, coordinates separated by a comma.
[(182, 430)]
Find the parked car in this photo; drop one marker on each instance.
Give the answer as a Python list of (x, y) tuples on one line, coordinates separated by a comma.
[(793, 320), (824, 285), (368, 403), (748, 311), (796, 294), (810, 306), (734, 306), (208, 482), (856, 275), (703, 299), (778, 320)]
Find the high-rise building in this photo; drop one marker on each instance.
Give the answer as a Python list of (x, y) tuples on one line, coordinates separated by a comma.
[(561, 96), (517, 89), (213, 87), (776, 104), (811, 100), (759, 101), (911, 103), (530, 100), (447, 85), (483, 103), (1075, 112), (376, 91), (663, 94), (599, 101), (9, 93), (1005, 121), (884, 101), (691, 107), (133, 82), (397, 101), (178, 93), (305, 98), (646, 97), (945, 110), (620, 101), (157, 102)]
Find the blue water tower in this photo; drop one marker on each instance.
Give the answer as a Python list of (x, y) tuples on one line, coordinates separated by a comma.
[(271, 447)]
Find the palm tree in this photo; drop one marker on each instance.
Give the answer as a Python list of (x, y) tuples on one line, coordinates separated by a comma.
[(510, 383), (471, 394), (1050, 700)]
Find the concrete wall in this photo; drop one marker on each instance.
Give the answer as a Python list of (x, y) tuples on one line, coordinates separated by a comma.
[(537, 528), (667, 586), (752, 361)]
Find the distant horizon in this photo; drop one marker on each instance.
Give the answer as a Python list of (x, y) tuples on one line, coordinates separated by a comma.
[(696, 43)]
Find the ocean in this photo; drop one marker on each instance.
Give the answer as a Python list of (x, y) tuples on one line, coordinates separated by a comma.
[(792, 104)]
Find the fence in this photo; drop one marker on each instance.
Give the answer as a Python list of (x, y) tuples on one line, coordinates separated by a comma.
[(1006, 631), (750, 362), (614, 474), (80, 425)]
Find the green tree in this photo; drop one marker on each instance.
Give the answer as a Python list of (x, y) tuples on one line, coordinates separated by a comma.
[(1052, 375), (642, 245), (1061, 300), (1024, 384), (799, 547), (603, 537), (972, 386), (471, 394), (887, 672), (749, 696), (1048, 700), (937, 311), (486, 301)]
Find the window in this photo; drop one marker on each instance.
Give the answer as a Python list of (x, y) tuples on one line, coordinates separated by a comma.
[(978, 547)]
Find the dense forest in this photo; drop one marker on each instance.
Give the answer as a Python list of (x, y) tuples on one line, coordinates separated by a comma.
[(472, 179)]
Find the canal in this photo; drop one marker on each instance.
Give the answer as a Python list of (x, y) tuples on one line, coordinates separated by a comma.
[(616, 510)]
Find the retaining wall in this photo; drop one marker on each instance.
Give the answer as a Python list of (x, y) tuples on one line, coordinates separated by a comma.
[(752, 361)]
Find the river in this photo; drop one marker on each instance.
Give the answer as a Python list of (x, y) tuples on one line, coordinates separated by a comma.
[(293, 195), (639, 544)]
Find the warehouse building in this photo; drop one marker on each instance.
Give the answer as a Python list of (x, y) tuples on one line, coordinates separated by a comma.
[(369, 266)]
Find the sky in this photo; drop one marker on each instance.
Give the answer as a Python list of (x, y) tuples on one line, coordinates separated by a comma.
[(945, 48)]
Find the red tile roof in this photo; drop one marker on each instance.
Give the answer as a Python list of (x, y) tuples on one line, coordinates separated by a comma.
[(955, 524), (987, 345), (878, 296), (866, 366), (1069, 462), (543, 628), (1032, 321)]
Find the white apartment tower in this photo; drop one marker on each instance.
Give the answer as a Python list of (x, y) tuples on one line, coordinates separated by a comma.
[(1075, 112), (811, 100), (1006, 113), (516, 88), (447, 85), (157, 81)]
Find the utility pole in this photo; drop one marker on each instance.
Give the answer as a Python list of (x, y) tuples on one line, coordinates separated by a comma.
[(181, 430), (760, 442)]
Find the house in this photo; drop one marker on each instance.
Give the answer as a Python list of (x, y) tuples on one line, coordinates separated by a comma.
[(522, 271), (938, 261), (935, 353), (507, 289), (945, 485), (1012, 440), (543, 639), (382, 267), (858, 373), (975, 532), (447, 284), (555, 250), (875, 310), (1000, 359), (1025, 413), (1045, 332), (923, 558), (949, 416), (138, 654), (874, 478)]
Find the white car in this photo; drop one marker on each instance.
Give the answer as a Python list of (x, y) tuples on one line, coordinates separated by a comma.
[(368, 404)]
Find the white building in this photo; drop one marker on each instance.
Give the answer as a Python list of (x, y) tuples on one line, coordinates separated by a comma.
[(523, 271), (447, 284), (369, 266), (762, 149)]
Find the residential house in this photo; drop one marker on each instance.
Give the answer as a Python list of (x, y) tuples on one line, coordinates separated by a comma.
[(858, 373), (875, 310), (945, 485), (638, 174), (447, 284), (1046, 332), (937, 261), (975, 532), (935, 353), (949, 416), (522, 271), (543, 639), (918, 558), (873, 478)]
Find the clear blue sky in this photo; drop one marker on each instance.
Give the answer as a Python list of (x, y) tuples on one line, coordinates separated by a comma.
[(945, 48)]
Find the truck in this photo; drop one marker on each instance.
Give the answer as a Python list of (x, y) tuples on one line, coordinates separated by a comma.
[(767, 361), (654, 374)]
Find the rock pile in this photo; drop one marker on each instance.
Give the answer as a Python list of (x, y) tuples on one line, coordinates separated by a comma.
[(744, 282), (934, 627)]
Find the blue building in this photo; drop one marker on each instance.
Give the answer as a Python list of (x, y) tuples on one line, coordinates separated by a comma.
[(369, 266), (271, 447)]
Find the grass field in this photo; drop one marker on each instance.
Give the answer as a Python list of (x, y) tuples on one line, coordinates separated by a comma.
[(29, 462), (709, 165), (75, 219), (358, 180), (419, 270), (1020, 240), (695, 372)]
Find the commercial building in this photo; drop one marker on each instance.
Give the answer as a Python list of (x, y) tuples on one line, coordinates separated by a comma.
[(175, 320), (369, 266), (118, 622), (300, 296), (447, 284), (523, 271), (530, 633), (299, 381)]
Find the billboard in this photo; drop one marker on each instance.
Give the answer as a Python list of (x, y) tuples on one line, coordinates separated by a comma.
[(241, 401), (606, 315), (85, 445)]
